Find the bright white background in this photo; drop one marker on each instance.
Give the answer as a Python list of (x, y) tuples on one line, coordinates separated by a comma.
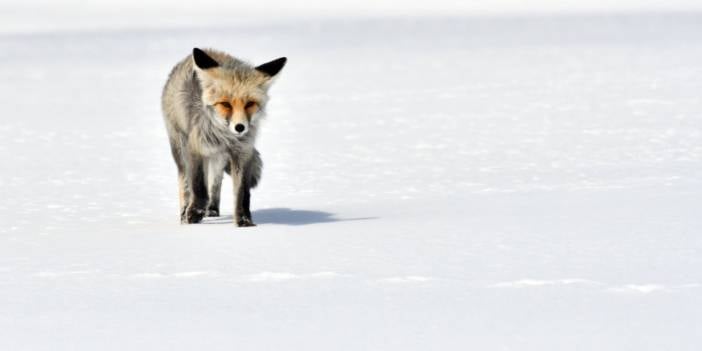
[(43, 15)]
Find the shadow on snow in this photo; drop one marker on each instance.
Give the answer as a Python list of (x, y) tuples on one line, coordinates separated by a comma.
[(287, 216)]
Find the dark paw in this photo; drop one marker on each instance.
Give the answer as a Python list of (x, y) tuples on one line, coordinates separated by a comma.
[(245, 221), (212, 212), (194, 215)]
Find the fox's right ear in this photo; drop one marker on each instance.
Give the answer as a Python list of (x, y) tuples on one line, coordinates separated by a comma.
[(202, 60)]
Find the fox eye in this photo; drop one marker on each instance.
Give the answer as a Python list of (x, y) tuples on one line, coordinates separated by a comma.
[(224, 104), (250, 104)]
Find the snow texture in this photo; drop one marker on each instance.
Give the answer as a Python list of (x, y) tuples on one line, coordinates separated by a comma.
[(429, 184)]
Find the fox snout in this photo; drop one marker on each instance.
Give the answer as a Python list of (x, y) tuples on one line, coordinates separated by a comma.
[(239, 122), (239, 128)]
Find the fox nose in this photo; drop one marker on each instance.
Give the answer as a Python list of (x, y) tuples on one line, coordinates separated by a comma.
[(239, 127)]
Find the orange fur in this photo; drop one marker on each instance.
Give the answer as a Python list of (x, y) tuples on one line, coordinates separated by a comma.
[(236, 106)]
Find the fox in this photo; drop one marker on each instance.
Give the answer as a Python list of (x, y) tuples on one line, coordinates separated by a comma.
[(212, 105)]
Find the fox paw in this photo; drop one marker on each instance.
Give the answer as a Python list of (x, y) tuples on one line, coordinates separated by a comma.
[(245, 221), (193, 215), (212, 212)]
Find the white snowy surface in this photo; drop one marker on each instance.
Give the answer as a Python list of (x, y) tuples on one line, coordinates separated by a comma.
[(434, 184), (47, 15)]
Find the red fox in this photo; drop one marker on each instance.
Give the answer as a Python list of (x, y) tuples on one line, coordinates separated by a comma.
[(212, 103)]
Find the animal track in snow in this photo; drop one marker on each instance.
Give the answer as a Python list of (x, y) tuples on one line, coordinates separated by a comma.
[(189, 274), (285, 276), (638, 288), (526, 283), (622, 289), (405, 279), (45, 274)]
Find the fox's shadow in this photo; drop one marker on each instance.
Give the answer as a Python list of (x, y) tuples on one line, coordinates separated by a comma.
[(287, 216)]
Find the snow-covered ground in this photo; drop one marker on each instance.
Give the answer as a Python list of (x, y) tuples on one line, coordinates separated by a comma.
[(429, 184)]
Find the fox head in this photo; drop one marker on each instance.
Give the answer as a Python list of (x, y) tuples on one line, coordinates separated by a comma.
[(234, 93)]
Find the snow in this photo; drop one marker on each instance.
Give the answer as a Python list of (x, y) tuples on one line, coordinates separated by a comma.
[(526, 183), (48, 15)]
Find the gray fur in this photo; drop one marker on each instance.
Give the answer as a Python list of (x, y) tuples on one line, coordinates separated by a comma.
[(202, 140)]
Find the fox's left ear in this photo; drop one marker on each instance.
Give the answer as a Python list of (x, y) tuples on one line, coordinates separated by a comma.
[(272, 68), (203, 60)]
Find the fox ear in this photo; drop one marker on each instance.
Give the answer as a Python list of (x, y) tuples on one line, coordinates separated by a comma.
[(272, 68), (202, 60)]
